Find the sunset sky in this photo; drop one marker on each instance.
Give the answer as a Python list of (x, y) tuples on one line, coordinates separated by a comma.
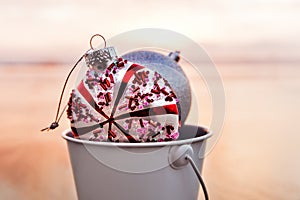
[(58, 31)]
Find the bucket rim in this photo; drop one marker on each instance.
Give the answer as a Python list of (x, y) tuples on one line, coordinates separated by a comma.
[(140, 145)]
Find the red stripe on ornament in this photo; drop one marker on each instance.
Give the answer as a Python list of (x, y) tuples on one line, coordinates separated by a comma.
[(171, 109), (130, 72), (83, 130), (166, 109), (88, 97), (85, 93), (153, 111)]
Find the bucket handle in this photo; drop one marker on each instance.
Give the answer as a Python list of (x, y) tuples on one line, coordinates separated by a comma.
[(180, 156), (190, 160)]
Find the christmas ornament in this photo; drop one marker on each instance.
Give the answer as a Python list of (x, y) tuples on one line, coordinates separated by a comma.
[(121, 101)]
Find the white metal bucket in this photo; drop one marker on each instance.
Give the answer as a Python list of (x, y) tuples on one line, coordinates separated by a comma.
[(138, 171)]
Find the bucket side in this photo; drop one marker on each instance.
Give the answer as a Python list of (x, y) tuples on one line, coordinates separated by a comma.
[(96, 180)]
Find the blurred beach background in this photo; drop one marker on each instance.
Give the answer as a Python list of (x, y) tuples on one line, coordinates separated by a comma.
[(254, 44)]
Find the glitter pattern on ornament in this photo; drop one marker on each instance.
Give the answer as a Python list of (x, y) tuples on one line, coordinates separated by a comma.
[(125, 102)]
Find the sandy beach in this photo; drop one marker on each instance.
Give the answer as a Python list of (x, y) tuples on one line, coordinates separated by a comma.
[(255, 158)]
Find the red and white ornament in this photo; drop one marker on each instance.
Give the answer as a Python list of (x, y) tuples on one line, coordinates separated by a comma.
[(125, 102)]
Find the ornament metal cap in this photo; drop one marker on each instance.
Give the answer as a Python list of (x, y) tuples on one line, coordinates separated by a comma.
[(99, 59)]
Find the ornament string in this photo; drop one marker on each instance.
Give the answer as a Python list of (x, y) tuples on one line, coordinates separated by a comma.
[(58, 116)]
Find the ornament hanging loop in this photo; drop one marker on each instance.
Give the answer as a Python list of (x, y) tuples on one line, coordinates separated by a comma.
[(99, 58), (97, 35)]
